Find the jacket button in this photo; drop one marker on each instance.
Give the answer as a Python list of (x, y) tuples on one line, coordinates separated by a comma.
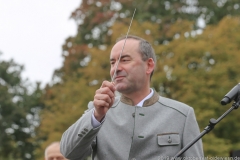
[(133, 114), (169, 140)]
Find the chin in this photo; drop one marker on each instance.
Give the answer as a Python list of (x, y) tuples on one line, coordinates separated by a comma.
[(120, 87)]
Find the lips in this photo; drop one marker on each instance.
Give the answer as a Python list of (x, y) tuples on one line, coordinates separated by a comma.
[(119, 77)]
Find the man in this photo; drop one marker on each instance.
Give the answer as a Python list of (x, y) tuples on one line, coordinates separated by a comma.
[(52, 152), (139, 124)]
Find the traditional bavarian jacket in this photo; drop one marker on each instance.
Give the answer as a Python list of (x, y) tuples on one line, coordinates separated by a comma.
[(156, 131)]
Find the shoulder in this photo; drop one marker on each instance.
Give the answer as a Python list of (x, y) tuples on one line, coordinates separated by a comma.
[(175, 105)]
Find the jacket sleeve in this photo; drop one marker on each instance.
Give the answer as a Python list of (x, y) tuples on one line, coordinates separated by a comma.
[(78, 139), (191, 131)]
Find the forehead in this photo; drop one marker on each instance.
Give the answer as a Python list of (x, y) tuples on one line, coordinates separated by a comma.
[(131, 46), (53, 150)]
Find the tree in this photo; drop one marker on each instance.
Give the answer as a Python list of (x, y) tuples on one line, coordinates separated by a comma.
[(95, 17), (19, 107)]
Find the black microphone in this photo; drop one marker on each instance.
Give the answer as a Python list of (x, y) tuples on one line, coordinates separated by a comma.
[(234, 93)]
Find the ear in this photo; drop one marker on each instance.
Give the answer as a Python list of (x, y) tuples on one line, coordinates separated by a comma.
[(150, 66)]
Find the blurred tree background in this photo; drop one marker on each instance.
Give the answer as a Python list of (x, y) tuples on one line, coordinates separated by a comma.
[(196, 43), (20, 103)]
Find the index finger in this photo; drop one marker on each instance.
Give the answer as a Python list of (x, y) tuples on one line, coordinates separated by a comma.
[(108, 84)]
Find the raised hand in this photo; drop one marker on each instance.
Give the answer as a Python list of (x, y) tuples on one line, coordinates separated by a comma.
[(103, 99)]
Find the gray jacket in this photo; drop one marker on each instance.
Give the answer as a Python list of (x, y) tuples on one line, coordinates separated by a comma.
[(156, 131)]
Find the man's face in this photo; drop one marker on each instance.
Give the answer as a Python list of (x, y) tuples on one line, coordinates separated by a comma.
[(131, 73), (53, 153)]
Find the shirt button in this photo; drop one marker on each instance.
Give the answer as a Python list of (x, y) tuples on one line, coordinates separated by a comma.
[(133, 114)]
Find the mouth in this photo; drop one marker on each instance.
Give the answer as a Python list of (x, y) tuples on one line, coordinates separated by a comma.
[(119, 78)]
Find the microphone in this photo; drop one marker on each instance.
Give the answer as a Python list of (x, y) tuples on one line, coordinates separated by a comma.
[(234, 93)]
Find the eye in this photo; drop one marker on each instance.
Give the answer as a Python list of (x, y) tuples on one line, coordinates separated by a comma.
[(125, 59), (112, 62)]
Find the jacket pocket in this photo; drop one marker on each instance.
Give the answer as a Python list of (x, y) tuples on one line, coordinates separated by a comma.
[(168, 139)]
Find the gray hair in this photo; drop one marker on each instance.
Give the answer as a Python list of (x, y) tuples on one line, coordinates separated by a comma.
[(145, 48)]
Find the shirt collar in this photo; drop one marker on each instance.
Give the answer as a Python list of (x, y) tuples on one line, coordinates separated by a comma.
[(140, 104), (147, 101)]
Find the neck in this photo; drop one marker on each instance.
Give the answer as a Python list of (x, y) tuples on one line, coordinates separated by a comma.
[(137, 96)]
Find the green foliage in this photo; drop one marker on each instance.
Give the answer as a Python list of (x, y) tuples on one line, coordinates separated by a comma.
[(95, 17), (18, 113)]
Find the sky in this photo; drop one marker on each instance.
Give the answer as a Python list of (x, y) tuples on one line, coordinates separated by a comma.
[(32, 33)]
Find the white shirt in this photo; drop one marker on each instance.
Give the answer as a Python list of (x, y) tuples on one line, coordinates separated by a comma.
[(96, 123)]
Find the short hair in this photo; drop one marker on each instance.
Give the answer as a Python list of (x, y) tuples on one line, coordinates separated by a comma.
[(145, 48)]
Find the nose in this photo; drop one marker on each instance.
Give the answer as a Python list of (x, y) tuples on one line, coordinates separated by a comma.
[(115, 69)]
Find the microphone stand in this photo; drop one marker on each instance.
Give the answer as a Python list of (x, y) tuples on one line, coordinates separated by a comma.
[(212, 123)]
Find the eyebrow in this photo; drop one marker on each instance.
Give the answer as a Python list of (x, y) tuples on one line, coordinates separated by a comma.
[(123, 56)]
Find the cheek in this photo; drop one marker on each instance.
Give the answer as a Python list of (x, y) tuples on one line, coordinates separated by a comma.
[(139, 71)]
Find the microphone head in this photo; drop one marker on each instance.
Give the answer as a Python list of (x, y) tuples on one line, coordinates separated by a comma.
[(225, 101), (233, 94)]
